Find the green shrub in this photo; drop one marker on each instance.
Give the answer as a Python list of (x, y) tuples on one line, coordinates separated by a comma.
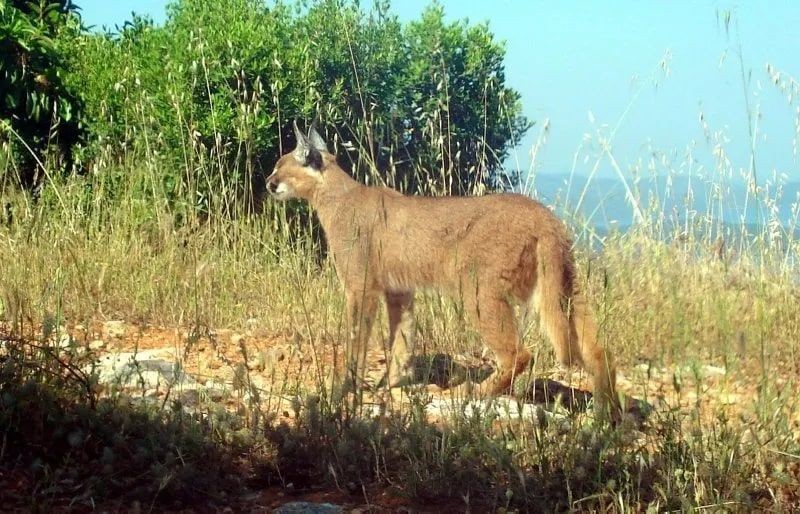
[(211, 95), (39, 113)]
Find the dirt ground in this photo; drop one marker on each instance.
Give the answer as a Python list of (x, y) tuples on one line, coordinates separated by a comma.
[(280, 367)]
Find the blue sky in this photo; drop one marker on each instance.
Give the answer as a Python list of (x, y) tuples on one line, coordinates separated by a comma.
[(589, 66)]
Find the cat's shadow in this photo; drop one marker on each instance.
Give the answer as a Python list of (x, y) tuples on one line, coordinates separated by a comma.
[(443, 371)]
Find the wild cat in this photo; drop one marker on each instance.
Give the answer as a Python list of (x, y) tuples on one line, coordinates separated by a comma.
[(492, 252)]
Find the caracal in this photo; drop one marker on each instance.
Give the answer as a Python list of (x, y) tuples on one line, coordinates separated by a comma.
[(492, 252)]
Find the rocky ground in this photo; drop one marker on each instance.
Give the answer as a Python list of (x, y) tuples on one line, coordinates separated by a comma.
[(193, 367), (224, 365)]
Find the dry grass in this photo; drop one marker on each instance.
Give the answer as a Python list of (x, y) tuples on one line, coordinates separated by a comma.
[(666, 308), (110, 245)]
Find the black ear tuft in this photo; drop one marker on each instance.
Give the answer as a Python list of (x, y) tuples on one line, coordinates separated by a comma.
[(314, 159)]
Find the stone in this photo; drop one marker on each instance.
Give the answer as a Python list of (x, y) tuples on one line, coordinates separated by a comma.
[(502, 407), (308, 508), (237, 339), (251, 326), (114, 329), (217, 393), (645, 368), (65, 341), (267, 359), (189, 397), (143, 370), (713, 371)]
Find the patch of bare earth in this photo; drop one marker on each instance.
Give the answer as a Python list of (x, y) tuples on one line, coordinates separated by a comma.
[(281, 367), (277, 370)]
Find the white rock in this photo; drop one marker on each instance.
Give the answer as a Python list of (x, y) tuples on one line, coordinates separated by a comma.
[(644, 368), (308, 508), (501, 407), (237, 339), (65, 341), (713, 371), (146, 369), (114, 329)]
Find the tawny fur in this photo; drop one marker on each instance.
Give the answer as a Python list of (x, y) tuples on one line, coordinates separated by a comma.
[(492, 252)]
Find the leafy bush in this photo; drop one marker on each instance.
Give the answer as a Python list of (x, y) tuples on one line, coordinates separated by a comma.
[(212, 94), (35, 102)]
